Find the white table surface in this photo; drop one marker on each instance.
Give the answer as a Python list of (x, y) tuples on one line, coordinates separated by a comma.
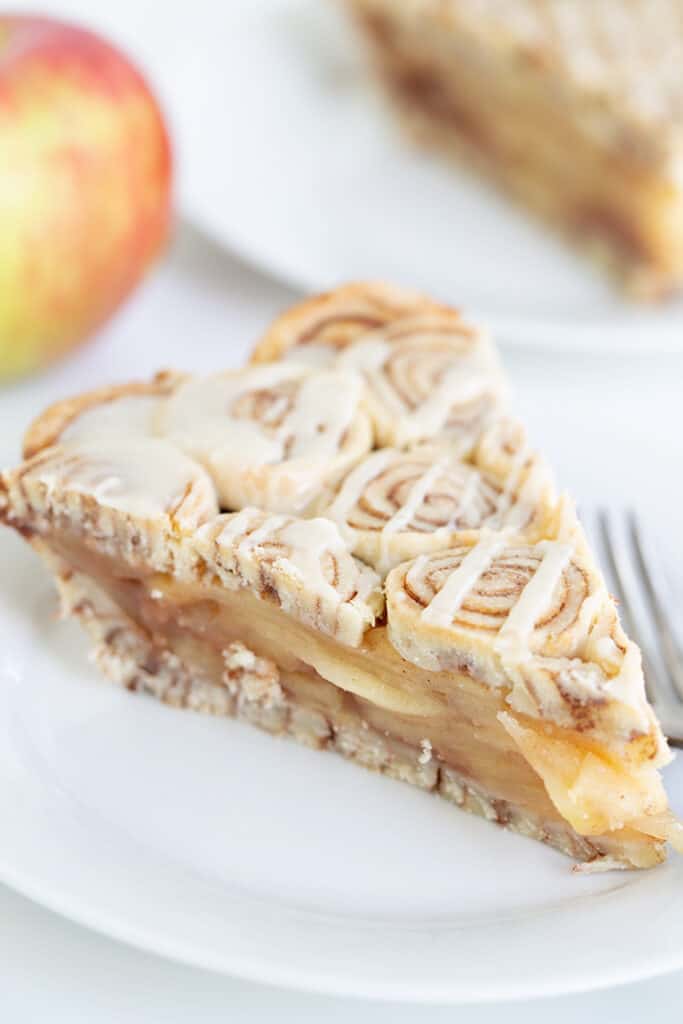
[(612, 430)]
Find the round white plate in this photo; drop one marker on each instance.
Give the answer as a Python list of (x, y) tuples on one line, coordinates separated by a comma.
[(305, 172), (210, 842)]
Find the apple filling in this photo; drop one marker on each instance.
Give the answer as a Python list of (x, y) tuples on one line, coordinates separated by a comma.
[(367, 556), (447, 732)]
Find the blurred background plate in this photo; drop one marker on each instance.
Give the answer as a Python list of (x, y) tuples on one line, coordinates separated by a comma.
[(288, 156)]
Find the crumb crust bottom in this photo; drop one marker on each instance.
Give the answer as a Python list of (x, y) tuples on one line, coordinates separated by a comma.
[(129, 656)]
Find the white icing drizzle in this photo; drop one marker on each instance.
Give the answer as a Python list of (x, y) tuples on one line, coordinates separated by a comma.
[(444, 605), (197, 419), (304, 561), (324, 407), (308, 541), (355, 484), (305, 540), (141, 477), (460, 511), (521, 511), (365, 355), (470, 375), (270, 435), (403, 516), (628, 685), (235, 525), (127, 416), (372, 467), (516, 630), (316, 355), (368, 357), (519, 461), (198, 416), (231, 445), (263, 533), (456, 387)]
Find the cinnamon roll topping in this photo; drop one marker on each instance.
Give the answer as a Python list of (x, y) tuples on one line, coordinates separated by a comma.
[(427, 377), (397, 504), (534, 619), (316, 330), (144, 479), (301, 563), (245, 521), (273, 435)]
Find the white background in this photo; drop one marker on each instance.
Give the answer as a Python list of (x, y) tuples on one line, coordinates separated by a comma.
[(612, 427)]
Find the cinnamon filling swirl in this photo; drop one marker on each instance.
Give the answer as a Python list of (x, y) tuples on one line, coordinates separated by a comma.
[(489, 600), (426, 377)]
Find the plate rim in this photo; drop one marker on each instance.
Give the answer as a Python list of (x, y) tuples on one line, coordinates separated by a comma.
[(545, 334), (332, 984), (329, 952), (509, 332)]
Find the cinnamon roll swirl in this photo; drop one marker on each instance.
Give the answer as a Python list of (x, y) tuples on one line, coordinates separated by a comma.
[(427, 376), (528, 505), (138, 498), (118, 411), (302, 565), (397, 504), (497, 674), (316, 330), (503, 451), (273, 436), (533, 619)]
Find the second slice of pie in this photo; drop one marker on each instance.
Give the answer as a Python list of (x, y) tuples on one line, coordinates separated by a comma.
[(575, 108)]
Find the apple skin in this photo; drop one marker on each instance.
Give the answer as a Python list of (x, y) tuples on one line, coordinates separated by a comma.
[(85, 187)]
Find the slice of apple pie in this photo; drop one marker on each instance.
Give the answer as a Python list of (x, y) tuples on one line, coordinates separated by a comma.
[(576, 108), (351, 542)]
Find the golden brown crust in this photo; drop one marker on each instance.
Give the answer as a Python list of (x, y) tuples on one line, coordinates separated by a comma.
[(336, 318), (47, 428), (134, 475)]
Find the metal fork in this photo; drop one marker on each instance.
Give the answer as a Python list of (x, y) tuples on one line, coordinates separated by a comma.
[(637, 584)]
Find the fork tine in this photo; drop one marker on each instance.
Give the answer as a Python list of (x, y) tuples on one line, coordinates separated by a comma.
[(655, 685), (667, 641)]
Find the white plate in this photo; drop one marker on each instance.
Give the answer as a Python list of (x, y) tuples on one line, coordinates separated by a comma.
[(291, 158), (207, 841), (286, 154)]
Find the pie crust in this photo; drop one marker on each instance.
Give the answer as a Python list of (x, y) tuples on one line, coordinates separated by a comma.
[(359, 550)]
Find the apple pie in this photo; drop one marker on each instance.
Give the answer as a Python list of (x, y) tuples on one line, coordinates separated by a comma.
[(351, 542), (574, 108)]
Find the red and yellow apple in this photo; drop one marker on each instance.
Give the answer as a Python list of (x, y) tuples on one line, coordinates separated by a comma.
[(85, 174)]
